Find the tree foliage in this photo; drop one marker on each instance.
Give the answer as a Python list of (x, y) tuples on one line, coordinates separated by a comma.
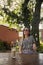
[(17, 11)]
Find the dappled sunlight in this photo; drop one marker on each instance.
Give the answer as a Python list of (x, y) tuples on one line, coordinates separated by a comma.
[(41, 42)]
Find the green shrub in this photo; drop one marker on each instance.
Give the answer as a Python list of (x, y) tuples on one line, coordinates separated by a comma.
[(2, 47), (40, 49)]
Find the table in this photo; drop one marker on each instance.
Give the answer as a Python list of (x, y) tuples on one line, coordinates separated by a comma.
[(26, 59)]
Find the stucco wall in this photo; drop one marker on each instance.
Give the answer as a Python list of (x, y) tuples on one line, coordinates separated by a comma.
[(7, 34)]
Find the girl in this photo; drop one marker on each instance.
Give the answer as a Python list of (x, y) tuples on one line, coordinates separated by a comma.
[(28, 45)]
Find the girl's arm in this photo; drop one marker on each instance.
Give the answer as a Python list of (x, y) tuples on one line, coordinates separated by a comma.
[(34, 47)]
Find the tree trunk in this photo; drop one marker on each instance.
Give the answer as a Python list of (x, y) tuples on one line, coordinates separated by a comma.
[(25, 13), (36, 21)]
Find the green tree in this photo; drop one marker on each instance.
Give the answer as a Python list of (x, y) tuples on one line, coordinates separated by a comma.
[(12, 12), (20, 13)]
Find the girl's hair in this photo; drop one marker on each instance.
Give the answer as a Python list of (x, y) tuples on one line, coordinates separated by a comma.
[(23, 32)]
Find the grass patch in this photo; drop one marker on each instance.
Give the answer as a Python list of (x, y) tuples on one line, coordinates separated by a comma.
[(3, 46)]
